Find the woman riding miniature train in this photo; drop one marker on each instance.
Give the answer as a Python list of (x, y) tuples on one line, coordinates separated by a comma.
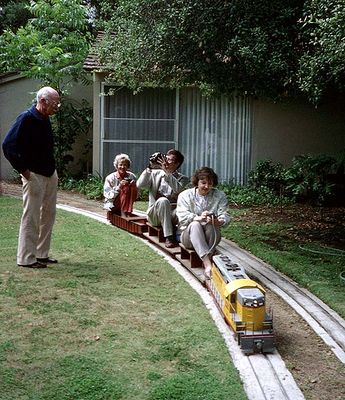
[(194, 215), (120, 190), (201, 212)]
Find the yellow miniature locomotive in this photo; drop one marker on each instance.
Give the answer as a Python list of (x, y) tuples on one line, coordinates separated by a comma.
[(242, 302)]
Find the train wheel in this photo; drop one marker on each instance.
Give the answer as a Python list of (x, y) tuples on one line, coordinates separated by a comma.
[(239, 339)]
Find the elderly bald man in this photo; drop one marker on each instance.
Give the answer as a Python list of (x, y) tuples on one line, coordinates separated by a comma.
[(29, 147)]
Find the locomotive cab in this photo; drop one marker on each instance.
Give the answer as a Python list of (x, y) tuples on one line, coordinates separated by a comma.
[(251, 307)]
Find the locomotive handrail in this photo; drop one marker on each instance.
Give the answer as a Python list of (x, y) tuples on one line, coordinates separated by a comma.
[(240, 284)]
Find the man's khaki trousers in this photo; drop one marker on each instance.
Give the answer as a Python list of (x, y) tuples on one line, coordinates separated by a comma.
[(39, 209)]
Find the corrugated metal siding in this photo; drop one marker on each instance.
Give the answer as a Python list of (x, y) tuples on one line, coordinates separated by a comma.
[(209, 132), (215, 133), (138, 125)]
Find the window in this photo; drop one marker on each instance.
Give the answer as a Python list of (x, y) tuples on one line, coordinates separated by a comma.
[(137, 124)]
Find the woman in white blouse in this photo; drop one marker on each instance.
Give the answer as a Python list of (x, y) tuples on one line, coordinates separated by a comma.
[(201, 212), (120, 190)]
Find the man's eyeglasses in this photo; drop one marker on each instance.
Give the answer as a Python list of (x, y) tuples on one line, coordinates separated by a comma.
[(56, 104)]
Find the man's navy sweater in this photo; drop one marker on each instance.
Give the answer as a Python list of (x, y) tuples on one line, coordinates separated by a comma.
[(29, 143)]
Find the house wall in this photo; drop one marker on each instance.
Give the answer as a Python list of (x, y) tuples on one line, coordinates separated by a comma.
[(279, 131), (212, 132), (284, 130), (16, 95)]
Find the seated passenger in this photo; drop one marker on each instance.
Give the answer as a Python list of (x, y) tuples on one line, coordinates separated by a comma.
[(164, 184), (201, 211), (120, 190)]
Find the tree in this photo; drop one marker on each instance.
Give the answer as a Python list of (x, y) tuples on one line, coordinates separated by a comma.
[(220, 46), (52, 46), (261, 48), (322, 66), (13, 14), (102, 11)]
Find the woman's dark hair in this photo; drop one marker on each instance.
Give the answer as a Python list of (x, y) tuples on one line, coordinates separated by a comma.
[(204, 173)]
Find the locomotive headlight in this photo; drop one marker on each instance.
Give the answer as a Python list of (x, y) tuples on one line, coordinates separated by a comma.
[(251, 297)]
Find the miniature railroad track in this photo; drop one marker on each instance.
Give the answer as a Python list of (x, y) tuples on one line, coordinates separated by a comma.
[(324, 321), (272, 380), (327, 324)]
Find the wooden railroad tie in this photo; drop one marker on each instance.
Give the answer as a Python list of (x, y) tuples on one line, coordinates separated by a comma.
[(191, 256), (133, 223)]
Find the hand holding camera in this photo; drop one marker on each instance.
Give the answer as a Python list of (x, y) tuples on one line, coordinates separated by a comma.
[(157, 160), (214, 219), (211, 217), (126, 181)]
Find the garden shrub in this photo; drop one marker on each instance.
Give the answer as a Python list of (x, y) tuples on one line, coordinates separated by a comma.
[(267, 174), (246, 196), (71, 121), (308, 178), (91, 187)]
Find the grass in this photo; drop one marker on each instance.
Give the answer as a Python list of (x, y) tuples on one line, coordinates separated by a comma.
[(141, 205), (111, 321), (308, 264)]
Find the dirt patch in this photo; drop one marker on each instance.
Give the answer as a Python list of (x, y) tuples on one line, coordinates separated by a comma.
[(317, 371), (306, 223)]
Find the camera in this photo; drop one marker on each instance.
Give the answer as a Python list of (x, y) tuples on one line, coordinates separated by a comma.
[(156, 159), (128, 179)]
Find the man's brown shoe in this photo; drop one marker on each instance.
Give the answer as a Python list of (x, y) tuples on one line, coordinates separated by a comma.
[(169, 244)]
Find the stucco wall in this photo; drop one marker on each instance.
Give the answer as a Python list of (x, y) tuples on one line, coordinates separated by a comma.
[(16, 95), (284, 130)]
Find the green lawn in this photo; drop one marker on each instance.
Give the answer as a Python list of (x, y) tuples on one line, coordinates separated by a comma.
[(111, 321)]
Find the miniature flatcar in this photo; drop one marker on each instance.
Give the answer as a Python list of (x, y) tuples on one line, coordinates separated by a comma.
[(241, 300)]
